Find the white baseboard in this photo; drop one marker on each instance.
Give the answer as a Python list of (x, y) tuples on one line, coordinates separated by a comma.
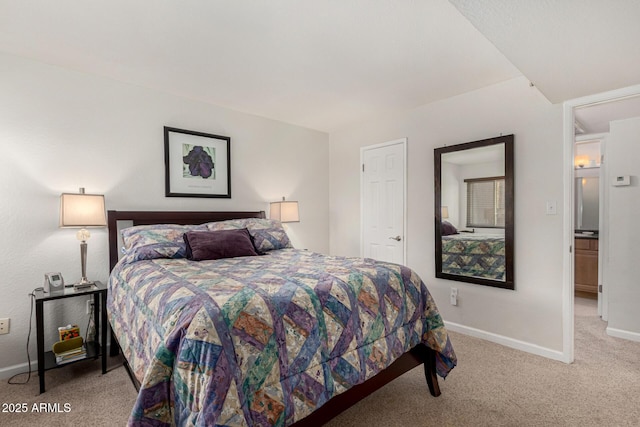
[(619, 333), (10, 371), (506, 341)]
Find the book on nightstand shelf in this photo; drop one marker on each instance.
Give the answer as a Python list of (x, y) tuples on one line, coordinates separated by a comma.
[(69, 350), (67, 357)]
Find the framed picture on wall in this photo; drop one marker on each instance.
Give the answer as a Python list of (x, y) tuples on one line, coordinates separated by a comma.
[(197, 164)]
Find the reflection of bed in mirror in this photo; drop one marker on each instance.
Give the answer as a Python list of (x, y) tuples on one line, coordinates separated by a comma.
[(475, 255)]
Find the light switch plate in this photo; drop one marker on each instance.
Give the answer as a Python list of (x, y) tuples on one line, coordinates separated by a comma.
[(552, 208)]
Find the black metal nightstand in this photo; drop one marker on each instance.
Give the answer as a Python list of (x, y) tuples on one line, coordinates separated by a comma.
[(47, 360)]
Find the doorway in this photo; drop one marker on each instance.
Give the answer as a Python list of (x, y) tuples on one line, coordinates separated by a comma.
[(595, 110), (383, 190), (588, 221), (590, 229)]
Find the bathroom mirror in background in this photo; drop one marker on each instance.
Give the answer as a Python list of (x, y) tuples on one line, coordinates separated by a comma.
[(587, 203), (474, 220)]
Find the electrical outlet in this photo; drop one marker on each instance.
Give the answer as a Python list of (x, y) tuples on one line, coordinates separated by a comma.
[(89, 306), (4, 326), (454, 296)]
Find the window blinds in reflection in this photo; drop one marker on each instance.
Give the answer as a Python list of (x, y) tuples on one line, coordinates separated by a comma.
[(485, 202)]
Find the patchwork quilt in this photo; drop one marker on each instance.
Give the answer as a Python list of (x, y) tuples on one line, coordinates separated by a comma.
[(474, 255), (264, 340)]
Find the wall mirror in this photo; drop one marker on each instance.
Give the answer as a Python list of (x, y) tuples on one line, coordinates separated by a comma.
[(587, 203), (474, 221)]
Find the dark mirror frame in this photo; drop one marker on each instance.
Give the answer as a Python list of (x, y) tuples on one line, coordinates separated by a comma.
[(509, 207)]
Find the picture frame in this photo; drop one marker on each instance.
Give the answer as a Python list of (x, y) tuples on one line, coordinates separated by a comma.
[(197, 164)]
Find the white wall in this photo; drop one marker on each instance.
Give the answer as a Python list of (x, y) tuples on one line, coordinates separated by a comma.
[(621, 267), (530, 316), (61, 130)]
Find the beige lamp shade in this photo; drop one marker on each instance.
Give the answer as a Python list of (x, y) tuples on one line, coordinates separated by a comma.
[(284, 211), (82, 210), (445, 212)]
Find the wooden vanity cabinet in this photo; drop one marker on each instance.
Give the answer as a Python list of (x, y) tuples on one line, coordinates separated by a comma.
[(586, 265)]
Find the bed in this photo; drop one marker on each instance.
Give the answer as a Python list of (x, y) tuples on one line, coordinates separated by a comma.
[(286, 337), (477, 255)]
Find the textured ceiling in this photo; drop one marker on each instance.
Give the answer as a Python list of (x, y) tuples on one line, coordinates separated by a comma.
[(329, 63), (318, 64), (567, 48)]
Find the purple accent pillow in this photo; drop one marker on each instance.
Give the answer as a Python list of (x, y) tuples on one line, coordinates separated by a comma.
[(267, 234), (206, 245), (448, 229)]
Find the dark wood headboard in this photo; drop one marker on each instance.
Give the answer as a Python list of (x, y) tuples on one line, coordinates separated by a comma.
[(166, 217)]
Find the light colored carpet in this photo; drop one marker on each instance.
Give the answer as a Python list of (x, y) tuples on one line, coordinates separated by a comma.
[(94, 399), (491, 386), (498, 386)]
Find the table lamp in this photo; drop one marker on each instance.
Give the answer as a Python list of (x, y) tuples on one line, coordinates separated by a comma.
[(284, 211), (82, 211), (445, 212)]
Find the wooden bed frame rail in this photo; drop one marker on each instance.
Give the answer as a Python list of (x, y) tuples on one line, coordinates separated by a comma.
[(419, 355)]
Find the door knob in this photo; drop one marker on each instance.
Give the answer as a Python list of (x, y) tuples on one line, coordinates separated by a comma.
[(397, 238)]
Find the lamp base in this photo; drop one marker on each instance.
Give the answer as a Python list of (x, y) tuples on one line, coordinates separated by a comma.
[(83, 284)]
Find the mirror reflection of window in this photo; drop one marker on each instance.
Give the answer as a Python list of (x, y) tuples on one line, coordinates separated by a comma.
[(473, 187), (485, 202)]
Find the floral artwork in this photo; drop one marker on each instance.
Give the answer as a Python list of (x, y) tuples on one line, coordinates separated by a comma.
[(199, 161), (197, 164)]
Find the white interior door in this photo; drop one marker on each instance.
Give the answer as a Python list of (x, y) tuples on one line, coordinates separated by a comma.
[(383, 201)]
